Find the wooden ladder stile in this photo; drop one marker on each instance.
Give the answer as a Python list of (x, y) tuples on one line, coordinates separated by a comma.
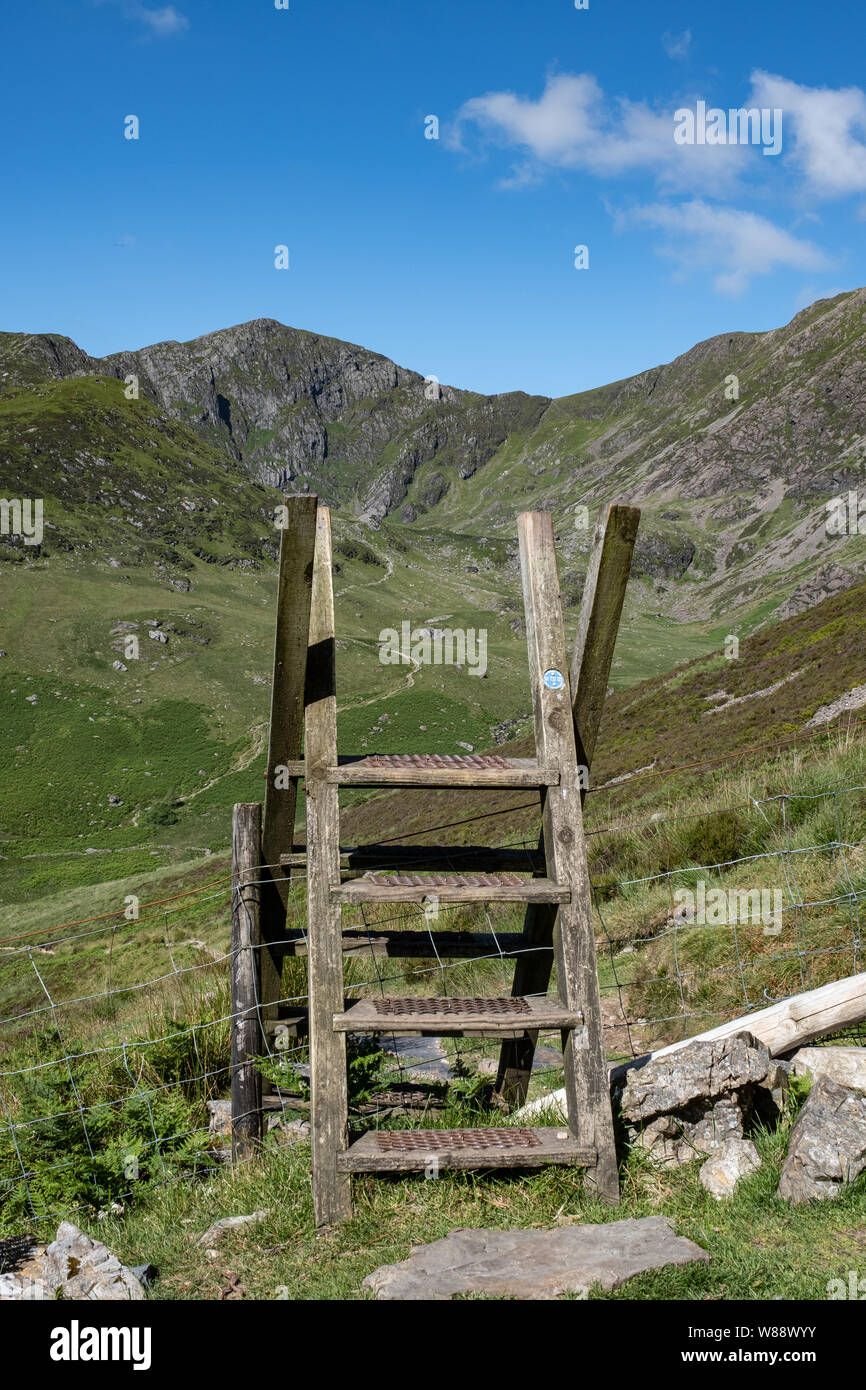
[(557, 894)]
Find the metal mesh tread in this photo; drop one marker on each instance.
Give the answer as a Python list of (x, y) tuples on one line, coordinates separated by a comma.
[(419, 1149), (443, 1005), (443, 880), (413, 1140), (456, 760), (499, 1017)]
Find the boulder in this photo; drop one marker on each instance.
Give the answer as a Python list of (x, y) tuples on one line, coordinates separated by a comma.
[(692, 1101), (534, 1264), (734, 1159), (844, 1065), (72, 1267), (827, 1148)]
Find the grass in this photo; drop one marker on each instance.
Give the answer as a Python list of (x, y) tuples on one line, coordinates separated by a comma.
[(175, 1044), (760, 1247)]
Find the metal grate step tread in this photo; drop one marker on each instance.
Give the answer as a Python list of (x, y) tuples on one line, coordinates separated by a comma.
[(503, 1017), (416, 1150)]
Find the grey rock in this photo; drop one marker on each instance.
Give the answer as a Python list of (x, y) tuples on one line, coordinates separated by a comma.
[(215, 1233), (827, 1148), (734, 1159), (16, 1288), (76, 1267), (21, 1270), (157, 636), (828, 580), (701, 1071), (119, 666), (220, 1129), (534, 1264), (662, 555), (696, 1099), (289, 1132), (690, 1133), (844, 1065)]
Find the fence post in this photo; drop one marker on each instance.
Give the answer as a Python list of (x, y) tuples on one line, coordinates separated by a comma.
[(285, 742), (247, 1039)]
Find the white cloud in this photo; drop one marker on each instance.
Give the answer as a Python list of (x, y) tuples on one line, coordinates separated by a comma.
[(557, 129), (825, 122), (573, 126), (163, 21), (736, 244), (677, 45)]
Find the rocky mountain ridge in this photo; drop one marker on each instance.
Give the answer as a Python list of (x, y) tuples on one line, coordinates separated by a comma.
[(732, 449)]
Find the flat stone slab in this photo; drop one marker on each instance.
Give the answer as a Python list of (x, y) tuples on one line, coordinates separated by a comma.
[(534, 1264)]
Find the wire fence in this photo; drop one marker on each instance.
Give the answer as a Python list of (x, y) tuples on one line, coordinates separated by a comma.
[(115, 1031)]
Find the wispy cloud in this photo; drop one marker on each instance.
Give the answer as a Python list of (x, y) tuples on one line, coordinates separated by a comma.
[(828, 125), (162, 21), (165, 20), (573, 126), (736, 244), (677, 45)]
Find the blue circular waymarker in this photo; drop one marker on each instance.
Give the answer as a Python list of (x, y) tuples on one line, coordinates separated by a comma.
[(554, 680)]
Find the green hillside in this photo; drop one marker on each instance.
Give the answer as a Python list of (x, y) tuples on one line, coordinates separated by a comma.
[(159, 519)]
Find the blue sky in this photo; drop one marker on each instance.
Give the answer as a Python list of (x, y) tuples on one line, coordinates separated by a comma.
[(306, 127)]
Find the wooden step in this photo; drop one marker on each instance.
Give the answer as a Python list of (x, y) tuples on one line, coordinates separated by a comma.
[(450, 888), (414, 1150), (506, 1017), (418, 858), (441, 770), (419, 945)]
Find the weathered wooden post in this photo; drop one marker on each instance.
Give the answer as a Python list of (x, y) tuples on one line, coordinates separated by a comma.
[(285, 740), (247, 1036), (332, 1192), (597, 627)]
